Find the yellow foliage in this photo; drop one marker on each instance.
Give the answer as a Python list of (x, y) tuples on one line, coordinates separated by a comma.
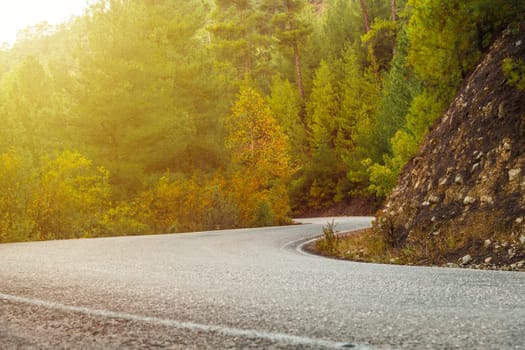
[(178, 205), (261, 163), (71, 197), (255, 139), (124, 219), (15, 192)]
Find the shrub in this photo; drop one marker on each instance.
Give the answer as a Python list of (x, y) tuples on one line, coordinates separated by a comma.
[(124, 219), (331, 240), (71, 197), (16, 185)]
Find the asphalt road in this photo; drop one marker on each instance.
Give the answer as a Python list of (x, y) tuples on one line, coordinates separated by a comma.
[(245, 289)]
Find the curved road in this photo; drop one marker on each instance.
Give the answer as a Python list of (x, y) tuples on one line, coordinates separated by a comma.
[(249, 288)]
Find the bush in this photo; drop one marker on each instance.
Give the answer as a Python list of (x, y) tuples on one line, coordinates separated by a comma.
[(70, 198), (16, 185), (124, 219), (331, 241)]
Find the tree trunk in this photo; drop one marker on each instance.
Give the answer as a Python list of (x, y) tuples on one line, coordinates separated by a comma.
[(365, 16), (394, 18), (393, 5), (298, 71)]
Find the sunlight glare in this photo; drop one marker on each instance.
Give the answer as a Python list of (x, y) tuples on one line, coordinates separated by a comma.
[(19, 14)]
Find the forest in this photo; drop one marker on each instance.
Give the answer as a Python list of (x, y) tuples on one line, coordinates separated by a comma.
[(157, 116)]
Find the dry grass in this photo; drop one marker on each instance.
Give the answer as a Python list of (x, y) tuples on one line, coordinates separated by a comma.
[(362, 245), (423, 248)]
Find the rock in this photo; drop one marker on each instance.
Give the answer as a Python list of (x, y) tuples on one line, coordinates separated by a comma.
[(488, 260), (514, 173), (507, 146), (465, 260), (480, 154), (487, 200), (487, 243), (469, 200), (468, 158), (519, 220), (520, 264), (487, 109), (433, 199), (450, 265), (501, 110)]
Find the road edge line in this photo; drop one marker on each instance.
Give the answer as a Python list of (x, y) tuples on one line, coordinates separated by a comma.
[(282, 338)]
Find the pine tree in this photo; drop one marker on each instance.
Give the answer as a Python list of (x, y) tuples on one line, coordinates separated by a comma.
[(291, 32), (133, 88), (238, 38)]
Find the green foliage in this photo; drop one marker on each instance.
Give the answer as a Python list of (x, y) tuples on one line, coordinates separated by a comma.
[(135, 86), (443, 41), (70, 198), (329, 131), (290, 30), (240, 39), (148, 89), (15, 197), (123, 219), (324, 108), (447, 38), (399, 89), (342, 26), (285, 104), (515, 72), (380, 41), (330, 241), (28, 104), (362, 97), (382, 177)]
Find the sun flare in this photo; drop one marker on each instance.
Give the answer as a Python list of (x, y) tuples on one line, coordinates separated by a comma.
[(17, 15)]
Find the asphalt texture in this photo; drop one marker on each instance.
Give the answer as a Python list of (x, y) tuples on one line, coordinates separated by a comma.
[(245, 289)]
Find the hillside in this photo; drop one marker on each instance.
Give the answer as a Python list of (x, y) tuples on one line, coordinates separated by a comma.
[(462, 198)]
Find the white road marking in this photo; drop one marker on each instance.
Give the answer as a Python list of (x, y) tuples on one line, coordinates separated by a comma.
[(302, 242), (300, 248), (191, 326)]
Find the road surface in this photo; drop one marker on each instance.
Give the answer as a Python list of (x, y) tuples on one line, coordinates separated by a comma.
[(251, 288)]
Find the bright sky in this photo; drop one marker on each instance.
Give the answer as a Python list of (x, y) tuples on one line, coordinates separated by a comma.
[(18, 14)]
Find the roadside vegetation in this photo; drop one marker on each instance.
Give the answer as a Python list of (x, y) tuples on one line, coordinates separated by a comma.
[(147, 117), (455, 250)]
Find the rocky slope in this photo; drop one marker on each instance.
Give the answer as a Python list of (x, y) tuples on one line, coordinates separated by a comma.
[(462, 198)]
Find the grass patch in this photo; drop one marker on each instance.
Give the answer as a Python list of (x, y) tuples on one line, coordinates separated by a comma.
[(363, 245), (480, 237)]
